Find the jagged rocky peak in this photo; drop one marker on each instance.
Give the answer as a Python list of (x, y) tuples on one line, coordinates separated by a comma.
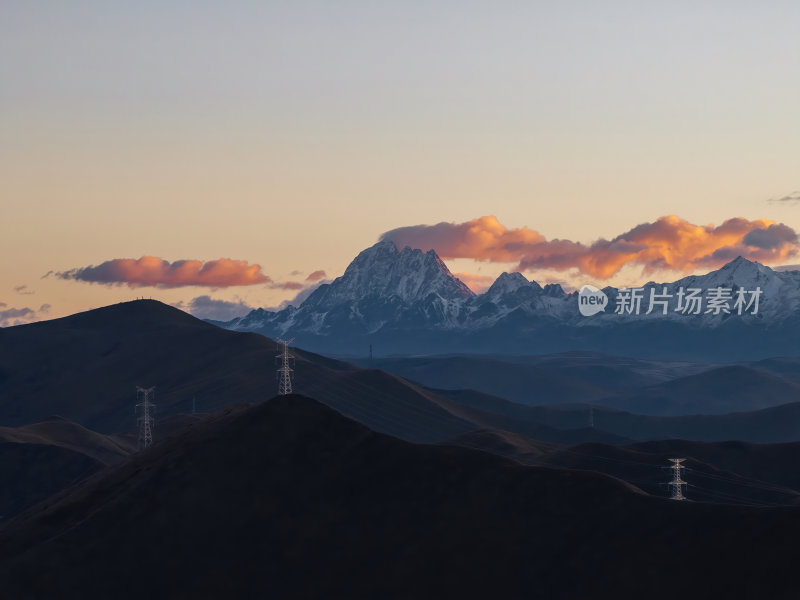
[(740, 272), (742, 266), (740, 260), (384, 271), (510, 283), (397, 291), (554, 289), (743, 272)]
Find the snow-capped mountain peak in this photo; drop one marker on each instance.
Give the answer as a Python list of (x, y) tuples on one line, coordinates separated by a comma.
[(745, 274), (384, 271), (743, 271), (509, 283), (409, 301)]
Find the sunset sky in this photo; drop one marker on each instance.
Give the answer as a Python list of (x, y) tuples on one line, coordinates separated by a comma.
[(267, 143)]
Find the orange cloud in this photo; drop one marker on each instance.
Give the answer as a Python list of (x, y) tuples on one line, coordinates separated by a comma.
[(667, 243), (484, 238), (151, 271)]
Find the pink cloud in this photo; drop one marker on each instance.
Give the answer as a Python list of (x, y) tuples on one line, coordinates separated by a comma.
[(151, 271)]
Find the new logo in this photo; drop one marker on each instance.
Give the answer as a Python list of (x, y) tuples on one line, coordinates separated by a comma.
[(591, 300)]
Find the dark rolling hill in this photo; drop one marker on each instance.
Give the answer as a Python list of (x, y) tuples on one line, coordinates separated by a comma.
[(545, 379), (726, 472), (58, 431), (522, 383), (291, 500), (43, 458), (784, 366), (764, 462), (86, 367), (777, 424), (664, 388), (733, 388)]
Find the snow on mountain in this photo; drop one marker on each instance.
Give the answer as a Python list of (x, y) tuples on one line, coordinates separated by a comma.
[(510, 284), (779, 297), (381, 286), (383, 271), (410, 294)]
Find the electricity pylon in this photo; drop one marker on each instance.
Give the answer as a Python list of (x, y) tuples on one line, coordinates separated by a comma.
[(146, 409), (284, 369), (677, 484)]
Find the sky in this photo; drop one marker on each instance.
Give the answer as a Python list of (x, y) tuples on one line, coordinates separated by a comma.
[(220, 156)]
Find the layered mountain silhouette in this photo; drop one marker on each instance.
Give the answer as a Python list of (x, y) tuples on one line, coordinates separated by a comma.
[(726, 472), (769, 425), (649, 387), (407, 302), (86, 368), (432, 480), (289, 499)]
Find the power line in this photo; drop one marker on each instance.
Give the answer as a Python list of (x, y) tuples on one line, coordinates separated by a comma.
[(731, 498), (752, 484), (755, 485), (621, 461)]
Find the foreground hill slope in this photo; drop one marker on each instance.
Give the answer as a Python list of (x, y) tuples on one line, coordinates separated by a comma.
[(289, 499), (43, 458), (722, 472), (86, 367)]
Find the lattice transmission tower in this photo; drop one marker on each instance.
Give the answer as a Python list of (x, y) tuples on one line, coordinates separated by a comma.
[(677, 485), (285, 371), (146, 410)]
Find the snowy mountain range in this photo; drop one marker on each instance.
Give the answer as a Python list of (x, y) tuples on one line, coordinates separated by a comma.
[(407, 301)]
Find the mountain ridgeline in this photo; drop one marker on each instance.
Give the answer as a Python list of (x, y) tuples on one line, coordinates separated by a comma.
[(408, 302)]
